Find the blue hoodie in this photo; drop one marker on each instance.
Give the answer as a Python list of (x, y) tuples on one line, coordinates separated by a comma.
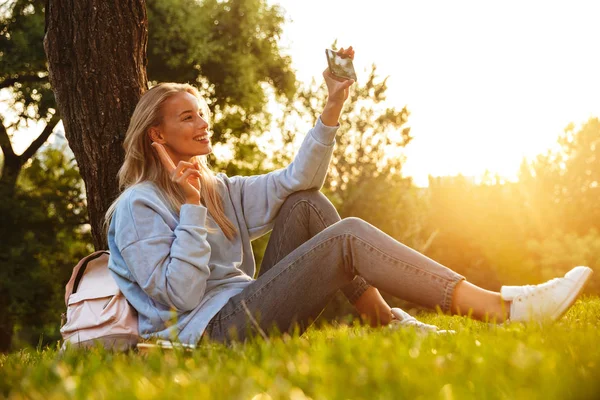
[(178, 271)]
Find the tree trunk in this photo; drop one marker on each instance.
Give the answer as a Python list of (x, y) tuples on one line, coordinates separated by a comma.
[(10, 173), (96, 53), (6, 324), (12, 165)]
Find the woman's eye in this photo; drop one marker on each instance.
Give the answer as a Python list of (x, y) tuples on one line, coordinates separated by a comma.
[(187, 118)]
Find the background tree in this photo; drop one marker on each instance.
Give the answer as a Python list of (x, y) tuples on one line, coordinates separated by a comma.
[(45, 235), (497, 232), (24, 86), (480, 228), (97, 62), (28, 219), (562, 193), (230, 50), (567, 179), (365, 177)]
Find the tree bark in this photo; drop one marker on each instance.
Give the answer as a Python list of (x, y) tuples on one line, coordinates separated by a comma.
[(12, 164), (6, 324), (96, 52)]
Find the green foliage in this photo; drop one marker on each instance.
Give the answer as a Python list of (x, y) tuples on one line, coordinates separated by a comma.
[(344, 362), (566, 182), (364, 178), (231, 45), (44, 234), (23, 60), (230, 50), (523, 232), (370, 138), (559, 251), (477, 229)]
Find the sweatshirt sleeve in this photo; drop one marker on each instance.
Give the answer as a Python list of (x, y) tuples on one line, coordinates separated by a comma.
[(262, 195), (170, 265)]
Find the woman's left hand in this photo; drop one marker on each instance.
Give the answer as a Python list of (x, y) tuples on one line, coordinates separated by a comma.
[(338, 91)]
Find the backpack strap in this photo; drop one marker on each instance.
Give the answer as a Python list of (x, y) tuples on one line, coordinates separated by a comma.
[(84, 265), (78, 272)]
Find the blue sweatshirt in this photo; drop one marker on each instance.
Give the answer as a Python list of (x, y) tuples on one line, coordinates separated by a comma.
[(178, 271)]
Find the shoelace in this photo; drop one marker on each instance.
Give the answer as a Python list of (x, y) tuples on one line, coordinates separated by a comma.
[(530, 290)]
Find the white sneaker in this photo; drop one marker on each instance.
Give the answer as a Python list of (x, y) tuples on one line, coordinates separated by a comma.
[(548, 300), (403, 319)]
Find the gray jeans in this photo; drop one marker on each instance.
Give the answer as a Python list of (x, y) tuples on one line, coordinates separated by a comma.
[(311, 255)]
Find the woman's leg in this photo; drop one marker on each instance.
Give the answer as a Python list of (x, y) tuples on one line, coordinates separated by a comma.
[(480, 303), (297, 288), (303, 215)]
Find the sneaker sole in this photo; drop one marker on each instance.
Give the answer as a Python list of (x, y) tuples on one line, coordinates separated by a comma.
[(564, 307)]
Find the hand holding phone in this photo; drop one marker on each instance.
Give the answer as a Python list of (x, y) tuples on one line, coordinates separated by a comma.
[(187, 175), (340, 63), (338, 88)]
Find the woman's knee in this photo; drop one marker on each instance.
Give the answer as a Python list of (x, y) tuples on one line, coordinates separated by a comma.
[(353, 225), (312, 195)]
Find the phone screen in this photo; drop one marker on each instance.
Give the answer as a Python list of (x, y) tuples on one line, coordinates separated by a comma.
[(341, 67)]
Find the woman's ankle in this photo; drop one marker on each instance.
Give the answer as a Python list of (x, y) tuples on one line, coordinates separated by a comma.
[(372, 308), (479, 303)]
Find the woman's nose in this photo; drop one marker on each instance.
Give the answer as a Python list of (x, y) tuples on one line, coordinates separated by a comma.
[(202, 122)]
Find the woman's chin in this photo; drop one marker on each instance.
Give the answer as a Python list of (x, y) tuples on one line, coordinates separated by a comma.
[(206, 151)]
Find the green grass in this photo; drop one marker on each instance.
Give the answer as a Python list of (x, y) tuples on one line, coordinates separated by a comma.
[(561, 361)]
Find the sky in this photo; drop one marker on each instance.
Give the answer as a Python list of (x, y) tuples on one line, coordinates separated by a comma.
[(487, 82)]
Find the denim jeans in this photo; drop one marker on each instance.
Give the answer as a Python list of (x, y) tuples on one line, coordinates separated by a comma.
[(311, 255)]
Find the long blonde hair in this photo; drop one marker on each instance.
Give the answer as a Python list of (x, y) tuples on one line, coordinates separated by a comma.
[(142, 163)]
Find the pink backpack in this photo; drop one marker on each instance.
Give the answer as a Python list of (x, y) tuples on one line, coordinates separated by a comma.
[(97, 311)]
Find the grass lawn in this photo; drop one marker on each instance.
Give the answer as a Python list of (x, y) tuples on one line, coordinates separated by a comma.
[(559, 361)]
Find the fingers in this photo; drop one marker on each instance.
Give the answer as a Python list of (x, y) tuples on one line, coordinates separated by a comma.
[(348, 83), (164, 156), (183, 165), (349, 52), (328, 75), (183, 168), (189, 173)]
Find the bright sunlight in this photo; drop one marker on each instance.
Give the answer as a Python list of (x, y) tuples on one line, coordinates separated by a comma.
[(487, 83)]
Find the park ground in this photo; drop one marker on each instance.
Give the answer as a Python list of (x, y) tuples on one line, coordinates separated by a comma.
[(483, 361)]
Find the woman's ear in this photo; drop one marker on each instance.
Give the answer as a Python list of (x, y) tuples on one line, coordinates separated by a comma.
[(156, 135)]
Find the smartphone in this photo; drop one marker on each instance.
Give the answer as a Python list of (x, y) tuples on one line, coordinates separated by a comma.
[(340, 66)]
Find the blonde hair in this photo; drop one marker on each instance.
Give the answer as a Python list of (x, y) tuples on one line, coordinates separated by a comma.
[(142, 163)]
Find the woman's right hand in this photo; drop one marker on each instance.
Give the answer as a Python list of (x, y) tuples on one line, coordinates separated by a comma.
[(185, 174)]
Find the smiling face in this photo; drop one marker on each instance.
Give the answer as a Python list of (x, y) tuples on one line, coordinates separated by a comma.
[(183, 129)]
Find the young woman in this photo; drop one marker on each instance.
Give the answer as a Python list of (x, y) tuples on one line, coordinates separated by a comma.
[(179, 238)]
